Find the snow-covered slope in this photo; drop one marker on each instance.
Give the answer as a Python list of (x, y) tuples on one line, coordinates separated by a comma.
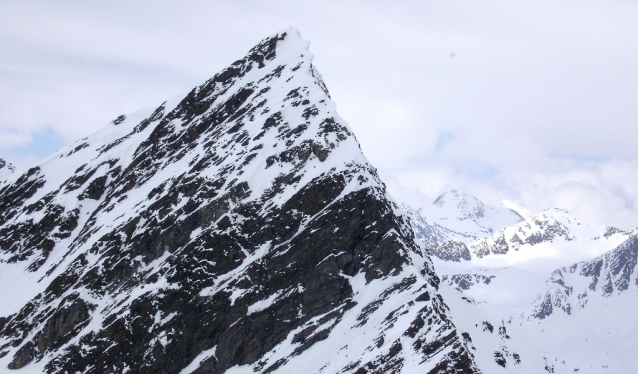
[(424, 230), (238, 230), (526, 317), (581, 319), (548, 240), (468, 218), (456, 219), (597, 339), (603, 277), (455, 215)]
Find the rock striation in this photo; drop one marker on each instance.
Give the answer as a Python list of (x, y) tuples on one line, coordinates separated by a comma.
[(238, 230)]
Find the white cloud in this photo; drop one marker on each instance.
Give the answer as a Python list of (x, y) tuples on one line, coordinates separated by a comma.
[(391, 133), (537, 103)]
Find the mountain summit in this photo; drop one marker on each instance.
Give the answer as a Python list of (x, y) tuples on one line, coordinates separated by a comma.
[(456, 219), (238, 230), (468, 216)]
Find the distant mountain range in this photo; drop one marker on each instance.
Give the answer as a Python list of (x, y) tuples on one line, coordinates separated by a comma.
[(547, 293), (474, 230), (612, 273)]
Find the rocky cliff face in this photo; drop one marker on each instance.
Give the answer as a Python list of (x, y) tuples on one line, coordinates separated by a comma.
[(238, 230), (573, 287)]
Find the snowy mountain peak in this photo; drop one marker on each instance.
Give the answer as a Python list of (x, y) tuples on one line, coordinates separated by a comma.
[(463, 213), (463, 205), (456, 219), (239, 229)]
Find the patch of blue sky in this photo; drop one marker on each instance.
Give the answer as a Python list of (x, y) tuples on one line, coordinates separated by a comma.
[(443, 140), (482, 171), (43, 143)]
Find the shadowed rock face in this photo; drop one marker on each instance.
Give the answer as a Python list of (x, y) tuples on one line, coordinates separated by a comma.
[(239, 228)]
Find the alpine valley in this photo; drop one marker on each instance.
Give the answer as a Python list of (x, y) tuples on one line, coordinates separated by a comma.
[(240, 229)]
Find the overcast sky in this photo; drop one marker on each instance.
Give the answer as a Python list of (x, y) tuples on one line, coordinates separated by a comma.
[(530, 103)]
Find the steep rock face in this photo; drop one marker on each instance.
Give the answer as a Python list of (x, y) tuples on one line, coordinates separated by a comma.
[(572, 287), (238, 230)]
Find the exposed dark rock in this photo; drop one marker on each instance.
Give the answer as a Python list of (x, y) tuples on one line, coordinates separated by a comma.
[(464, 282), (96, 188), (488, 326), (205, 245), (23, 357), (63, 324), (119, 120), (500, 360), (451, 250)]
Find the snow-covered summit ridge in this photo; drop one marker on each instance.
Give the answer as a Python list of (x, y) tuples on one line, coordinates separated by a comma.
[(457, 205), (555, 232), (455, 220), (456, 215)]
